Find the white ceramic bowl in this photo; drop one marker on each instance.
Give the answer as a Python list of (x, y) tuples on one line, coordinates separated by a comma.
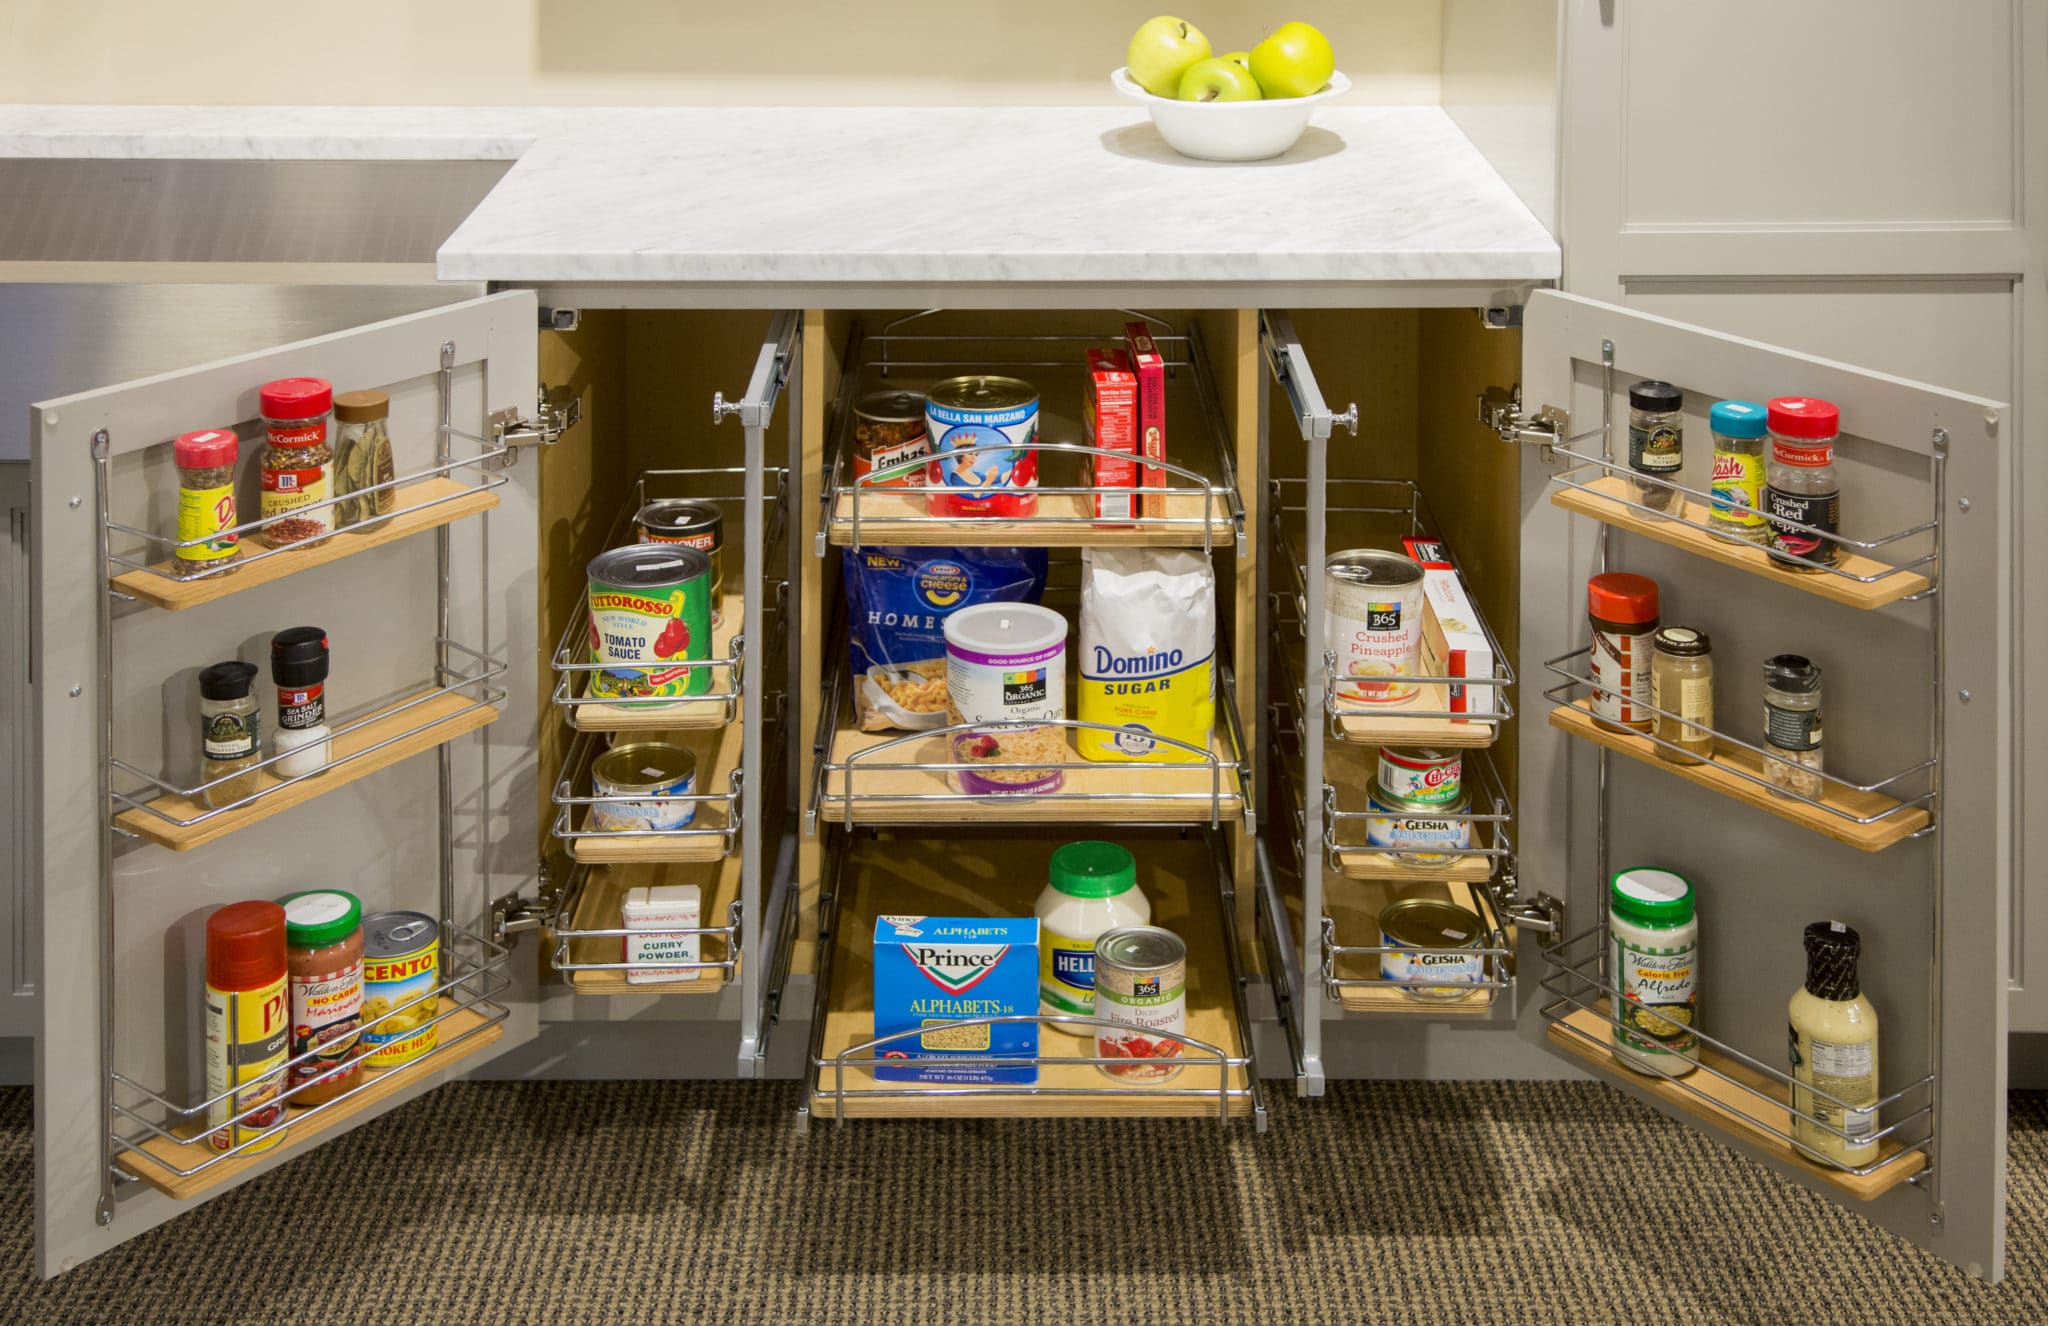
[(1229, 130)]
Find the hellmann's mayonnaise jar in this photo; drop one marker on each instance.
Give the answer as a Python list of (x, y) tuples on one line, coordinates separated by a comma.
[(1091, 888)]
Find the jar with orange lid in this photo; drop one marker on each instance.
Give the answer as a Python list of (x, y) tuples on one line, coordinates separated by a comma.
[(1623, 609)]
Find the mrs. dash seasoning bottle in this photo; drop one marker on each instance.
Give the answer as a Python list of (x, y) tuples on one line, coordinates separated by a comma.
[(1833, 1047)]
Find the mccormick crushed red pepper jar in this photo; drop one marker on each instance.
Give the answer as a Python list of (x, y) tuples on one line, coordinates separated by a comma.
[(298, 462)]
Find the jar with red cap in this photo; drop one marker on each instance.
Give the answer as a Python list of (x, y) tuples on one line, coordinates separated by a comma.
[(248, 1026), (1800, 484), (298, 461), (1623, 608), (206, 502)]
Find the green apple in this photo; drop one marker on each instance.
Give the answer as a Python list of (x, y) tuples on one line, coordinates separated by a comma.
[(1294, 62), (1240, 57), (1161, 51), (1218, 80)]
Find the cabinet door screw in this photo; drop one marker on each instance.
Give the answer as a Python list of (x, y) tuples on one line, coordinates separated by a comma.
[(1962, 504), (1964, 696), (76, 502)]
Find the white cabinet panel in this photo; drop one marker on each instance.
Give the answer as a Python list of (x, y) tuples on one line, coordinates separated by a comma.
[(1840, 115)]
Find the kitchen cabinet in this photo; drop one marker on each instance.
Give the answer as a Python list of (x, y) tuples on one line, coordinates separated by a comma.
[(809, 829)]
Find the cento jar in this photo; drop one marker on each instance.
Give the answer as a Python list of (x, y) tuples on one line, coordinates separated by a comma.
[(1800, 485), (298, 462)]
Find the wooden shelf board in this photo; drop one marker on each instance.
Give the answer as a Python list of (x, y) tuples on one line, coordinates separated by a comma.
[(279, 797), (937, 877), (598, 909), (718, 752), (348, 541), (1577, 719), (1391, 725), (1729, 1108), (1601, 505), (1355, 911), (893, 518), (689, 715), (301, 1128), (1467, 869), (888, 789)]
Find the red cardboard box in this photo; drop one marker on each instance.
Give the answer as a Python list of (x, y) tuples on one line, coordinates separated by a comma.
[(1150, 367), (1112, 416)]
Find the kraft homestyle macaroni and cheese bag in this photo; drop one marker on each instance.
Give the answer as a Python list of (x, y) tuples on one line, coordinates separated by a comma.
[(1148, 652), (897, 602)]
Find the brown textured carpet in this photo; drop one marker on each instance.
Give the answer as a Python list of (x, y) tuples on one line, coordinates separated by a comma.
[(659, 1202)]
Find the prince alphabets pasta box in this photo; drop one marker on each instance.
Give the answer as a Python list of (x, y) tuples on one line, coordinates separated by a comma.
[(932, 973)]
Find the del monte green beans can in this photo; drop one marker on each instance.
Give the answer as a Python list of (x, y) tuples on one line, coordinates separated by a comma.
[(650, 613)]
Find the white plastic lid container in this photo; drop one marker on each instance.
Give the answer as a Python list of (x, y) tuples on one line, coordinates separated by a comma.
[(655, 908), (1092, 888)]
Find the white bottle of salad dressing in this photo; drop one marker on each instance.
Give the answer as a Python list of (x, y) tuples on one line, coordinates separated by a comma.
[(1092, 887), (1833, 1047)]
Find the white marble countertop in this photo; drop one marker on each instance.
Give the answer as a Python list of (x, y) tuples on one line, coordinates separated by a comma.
[(943, 199)]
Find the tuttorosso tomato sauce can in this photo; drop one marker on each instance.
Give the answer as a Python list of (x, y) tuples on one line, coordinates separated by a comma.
[(650, 615)]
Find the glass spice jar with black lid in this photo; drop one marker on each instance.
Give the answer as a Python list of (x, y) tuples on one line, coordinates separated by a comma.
[(1656, 446)]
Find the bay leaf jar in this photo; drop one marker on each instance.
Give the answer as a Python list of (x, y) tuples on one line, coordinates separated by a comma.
[(1682, 683), (362, 459)]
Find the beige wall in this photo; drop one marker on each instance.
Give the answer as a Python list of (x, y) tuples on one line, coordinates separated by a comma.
[(616, 52)]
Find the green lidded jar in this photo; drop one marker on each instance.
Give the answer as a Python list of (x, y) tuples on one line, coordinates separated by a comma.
[(1091, 888), (1653, 950)]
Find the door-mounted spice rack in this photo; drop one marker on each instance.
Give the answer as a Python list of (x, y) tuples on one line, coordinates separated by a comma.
[(163, 1142), (146, 570), (151, 807), (1603, 490), (1197, 509), (1730, 1089)]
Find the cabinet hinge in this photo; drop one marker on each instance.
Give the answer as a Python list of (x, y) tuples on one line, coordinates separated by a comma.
[(1500, 408), (558, 410), (513, 915), (1538, 912)]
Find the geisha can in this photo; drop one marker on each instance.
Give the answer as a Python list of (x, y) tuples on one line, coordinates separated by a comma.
[(983, 435)]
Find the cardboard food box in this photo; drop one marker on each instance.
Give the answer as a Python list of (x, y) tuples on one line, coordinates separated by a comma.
[(1111, 409), (1150, 366), (655, 908), (1452, 643), (933, 971)]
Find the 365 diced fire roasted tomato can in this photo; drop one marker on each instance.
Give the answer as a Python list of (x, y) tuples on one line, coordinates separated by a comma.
[(1141, 985), (401, 977)]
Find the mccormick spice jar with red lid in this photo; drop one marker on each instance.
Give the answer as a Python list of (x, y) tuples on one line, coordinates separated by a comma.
[(1800, 483), (1623, 608), (206, 501), (298, 461)]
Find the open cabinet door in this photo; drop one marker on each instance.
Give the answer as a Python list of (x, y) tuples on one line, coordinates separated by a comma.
[(423, 802), (1907, 839)]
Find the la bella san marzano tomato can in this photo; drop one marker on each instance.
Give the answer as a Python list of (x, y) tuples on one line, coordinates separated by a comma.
[(984, 447), (650, 612)]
